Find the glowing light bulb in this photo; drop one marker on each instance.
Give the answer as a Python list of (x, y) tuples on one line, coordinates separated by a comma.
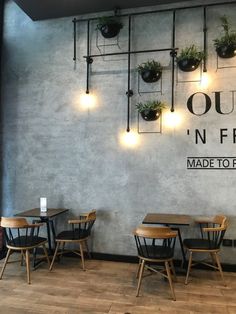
[(129, 139), (88, 101), (205, 80), (172, 119)]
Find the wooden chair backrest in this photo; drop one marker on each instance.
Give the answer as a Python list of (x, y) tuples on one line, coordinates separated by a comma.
[(10, 222), (214, 231), (221, 220), (18, 232), (91, 214), (155, 239), (154, 232)]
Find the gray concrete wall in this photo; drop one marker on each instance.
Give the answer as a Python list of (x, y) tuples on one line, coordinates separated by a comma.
[(55, 148)]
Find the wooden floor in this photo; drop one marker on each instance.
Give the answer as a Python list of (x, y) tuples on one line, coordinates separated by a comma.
[(109, 287)]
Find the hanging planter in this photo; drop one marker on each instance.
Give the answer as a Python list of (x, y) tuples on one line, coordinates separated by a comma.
[(109, 27), (150, 110), (189, 59), (226, 51), (226, 45), (150, 71)]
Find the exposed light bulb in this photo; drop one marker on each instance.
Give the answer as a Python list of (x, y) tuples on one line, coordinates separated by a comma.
[(172, 119), (129, 139), (205, 80), (88, 101)]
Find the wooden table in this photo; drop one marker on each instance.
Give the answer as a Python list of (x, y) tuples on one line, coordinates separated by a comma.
[(172, 220), (45, 217)]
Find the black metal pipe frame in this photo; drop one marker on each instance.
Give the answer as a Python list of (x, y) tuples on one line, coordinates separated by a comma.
[(129, 52), (74, 22), (129, 92), (89, 60), (162, 10), (173, 55), (204, 39)]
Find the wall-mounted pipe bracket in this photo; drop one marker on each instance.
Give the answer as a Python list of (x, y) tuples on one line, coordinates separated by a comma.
[(89, 60), (129, 93)]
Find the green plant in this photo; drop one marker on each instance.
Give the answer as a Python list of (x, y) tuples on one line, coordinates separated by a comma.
[(150, 65), (190, 52), (106, 20), (150, 105), (229, 36)]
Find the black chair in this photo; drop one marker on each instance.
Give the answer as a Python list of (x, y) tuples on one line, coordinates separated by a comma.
[(78, 234), (211, 237), (155, 246), (22, 237)]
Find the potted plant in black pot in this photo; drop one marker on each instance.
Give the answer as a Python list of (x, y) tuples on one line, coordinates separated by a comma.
[(226, 44), (150, 71), (150, 110), (109, 27), (189, 58)]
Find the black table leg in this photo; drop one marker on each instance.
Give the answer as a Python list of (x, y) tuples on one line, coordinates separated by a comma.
[(181, 245), (53, 233), (49, 236)]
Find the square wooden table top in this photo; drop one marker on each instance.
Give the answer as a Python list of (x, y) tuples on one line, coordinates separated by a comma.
[(168, 219), (35, 212)]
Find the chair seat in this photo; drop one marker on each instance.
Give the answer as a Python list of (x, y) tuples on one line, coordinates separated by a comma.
[(24, 241), (201, 244), (156, 252), (72, 235)]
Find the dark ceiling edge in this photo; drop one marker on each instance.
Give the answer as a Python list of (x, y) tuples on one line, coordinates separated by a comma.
[(170, 5), (98, 12)]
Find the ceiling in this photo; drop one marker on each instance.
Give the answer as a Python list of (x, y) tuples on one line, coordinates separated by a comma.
[(47, 9)]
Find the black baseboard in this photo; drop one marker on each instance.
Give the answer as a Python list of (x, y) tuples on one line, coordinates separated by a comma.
[(134, 259)]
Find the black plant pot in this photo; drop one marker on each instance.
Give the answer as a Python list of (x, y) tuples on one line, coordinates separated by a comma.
[(110, 30), (150, 115), (150, 76), (188, 65), (226, 51)]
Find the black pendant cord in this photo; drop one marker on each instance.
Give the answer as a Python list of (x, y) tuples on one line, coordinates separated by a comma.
[(74, 24), (129, 92), (89, 60), (173, 55), (204, 39)]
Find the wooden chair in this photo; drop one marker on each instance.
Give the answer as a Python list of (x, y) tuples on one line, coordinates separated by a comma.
[(155, 246), (78, 234), (212, 234), (22, 237)]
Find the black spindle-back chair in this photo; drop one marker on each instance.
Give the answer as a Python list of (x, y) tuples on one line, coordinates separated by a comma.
[(23, 237), (211, 236), (155, 246)]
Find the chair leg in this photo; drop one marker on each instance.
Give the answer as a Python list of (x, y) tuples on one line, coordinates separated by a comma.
[(189, 267), (139, 265), (173, 270), (219, 267), (82, 255), (140, 277), (5, 262), (87, 248), (28, 265), (170, 280), (46, 254), (54, 256)]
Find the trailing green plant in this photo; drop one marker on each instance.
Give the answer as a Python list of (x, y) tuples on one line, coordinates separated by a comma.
[(229, 36), (150, 105), (190, 52), (149, 65), (106, 20)]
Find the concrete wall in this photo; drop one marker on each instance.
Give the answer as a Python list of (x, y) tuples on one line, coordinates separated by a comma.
[(54, 147)]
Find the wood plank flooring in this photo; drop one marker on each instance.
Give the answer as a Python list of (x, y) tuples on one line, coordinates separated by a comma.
[(109, 287)]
